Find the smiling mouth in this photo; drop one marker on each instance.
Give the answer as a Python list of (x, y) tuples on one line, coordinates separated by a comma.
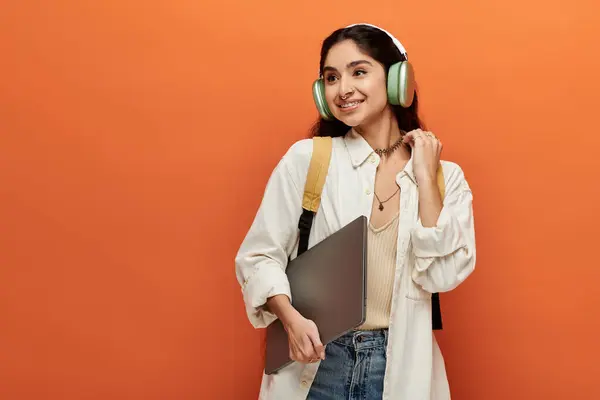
[(350, 106)]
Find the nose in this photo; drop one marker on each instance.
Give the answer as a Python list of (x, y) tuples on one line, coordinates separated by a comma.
[(345, 88)]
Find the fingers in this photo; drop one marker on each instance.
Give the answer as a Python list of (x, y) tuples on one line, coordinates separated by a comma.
[(419, 137), (319, 349), (306, 350), (301, 351), (411, 136), (415, 137), (305, 344), (414, 133), (313, 350)]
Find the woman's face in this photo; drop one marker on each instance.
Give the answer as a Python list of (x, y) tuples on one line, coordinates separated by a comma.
[(355, 84)]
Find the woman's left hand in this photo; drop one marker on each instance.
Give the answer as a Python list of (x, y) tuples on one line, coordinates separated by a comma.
[(426, 154)]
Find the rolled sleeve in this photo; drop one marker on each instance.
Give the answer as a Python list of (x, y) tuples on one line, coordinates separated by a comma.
[(441, 240), (445, 254), (269, 280), (262, 259)]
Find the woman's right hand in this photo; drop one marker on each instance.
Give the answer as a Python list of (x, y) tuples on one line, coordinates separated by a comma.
[(304, 341), (303, 336)]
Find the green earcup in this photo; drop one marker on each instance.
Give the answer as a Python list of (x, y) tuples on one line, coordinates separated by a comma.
[(401, 84), (319, 97), (400, 89)]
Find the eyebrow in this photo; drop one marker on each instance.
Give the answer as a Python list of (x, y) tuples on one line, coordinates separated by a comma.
[(349, 65)]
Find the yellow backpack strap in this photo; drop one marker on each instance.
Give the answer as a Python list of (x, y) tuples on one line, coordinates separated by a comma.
[(436, 311), (315, 180), (317, 173), (440, 181)]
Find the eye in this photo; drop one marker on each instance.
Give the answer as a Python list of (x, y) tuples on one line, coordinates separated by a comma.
[(360, 72), (330, 78)]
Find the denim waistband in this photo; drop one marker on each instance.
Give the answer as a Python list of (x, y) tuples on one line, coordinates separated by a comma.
[(364, 339)]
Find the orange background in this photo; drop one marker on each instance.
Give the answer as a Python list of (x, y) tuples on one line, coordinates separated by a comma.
[(136, 138)]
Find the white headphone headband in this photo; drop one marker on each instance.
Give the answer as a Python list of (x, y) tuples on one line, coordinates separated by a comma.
[(396, 41)]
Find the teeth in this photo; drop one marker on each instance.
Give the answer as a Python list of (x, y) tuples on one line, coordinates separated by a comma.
[(354, 103)]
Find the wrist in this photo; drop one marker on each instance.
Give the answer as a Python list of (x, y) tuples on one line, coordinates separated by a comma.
[(281, 306), (427, 181), (288, 316)]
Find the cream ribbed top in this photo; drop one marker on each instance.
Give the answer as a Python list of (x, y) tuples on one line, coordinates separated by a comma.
[(381, 262)]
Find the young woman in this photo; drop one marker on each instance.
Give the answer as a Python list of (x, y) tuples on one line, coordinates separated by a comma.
[(384, 166)]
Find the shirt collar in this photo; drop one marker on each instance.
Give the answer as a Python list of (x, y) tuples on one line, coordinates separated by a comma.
[(408, 169), (360, 150)]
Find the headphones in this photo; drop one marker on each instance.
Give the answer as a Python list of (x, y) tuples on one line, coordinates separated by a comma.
[(400, 82)]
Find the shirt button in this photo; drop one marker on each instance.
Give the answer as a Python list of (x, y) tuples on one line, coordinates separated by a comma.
[(359, 339), (368, 192), (305, 383)]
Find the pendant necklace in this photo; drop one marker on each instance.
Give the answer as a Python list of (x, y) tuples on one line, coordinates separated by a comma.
[(386, 200), (387, 152)]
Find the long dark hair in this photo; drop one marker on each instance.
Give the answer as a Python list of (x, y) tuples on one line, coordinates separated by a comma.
[(378, 45)]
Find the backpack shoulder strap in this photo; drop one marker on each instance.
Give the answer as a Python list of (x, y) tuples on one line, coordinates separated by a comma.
[(436, 311), (440, 181), (317, 173), (315, 180)]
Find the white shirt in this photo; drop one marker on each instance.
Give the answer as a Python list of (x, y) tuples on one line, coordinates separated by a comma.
[(429, 260)]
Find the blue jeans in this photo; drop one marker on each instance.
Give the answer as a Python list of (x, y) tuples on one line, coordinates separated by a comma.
[(353, 368)]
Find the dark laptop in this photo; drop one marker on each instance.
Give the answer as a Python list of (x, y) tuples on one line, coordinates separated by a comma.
[(328, 285)]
